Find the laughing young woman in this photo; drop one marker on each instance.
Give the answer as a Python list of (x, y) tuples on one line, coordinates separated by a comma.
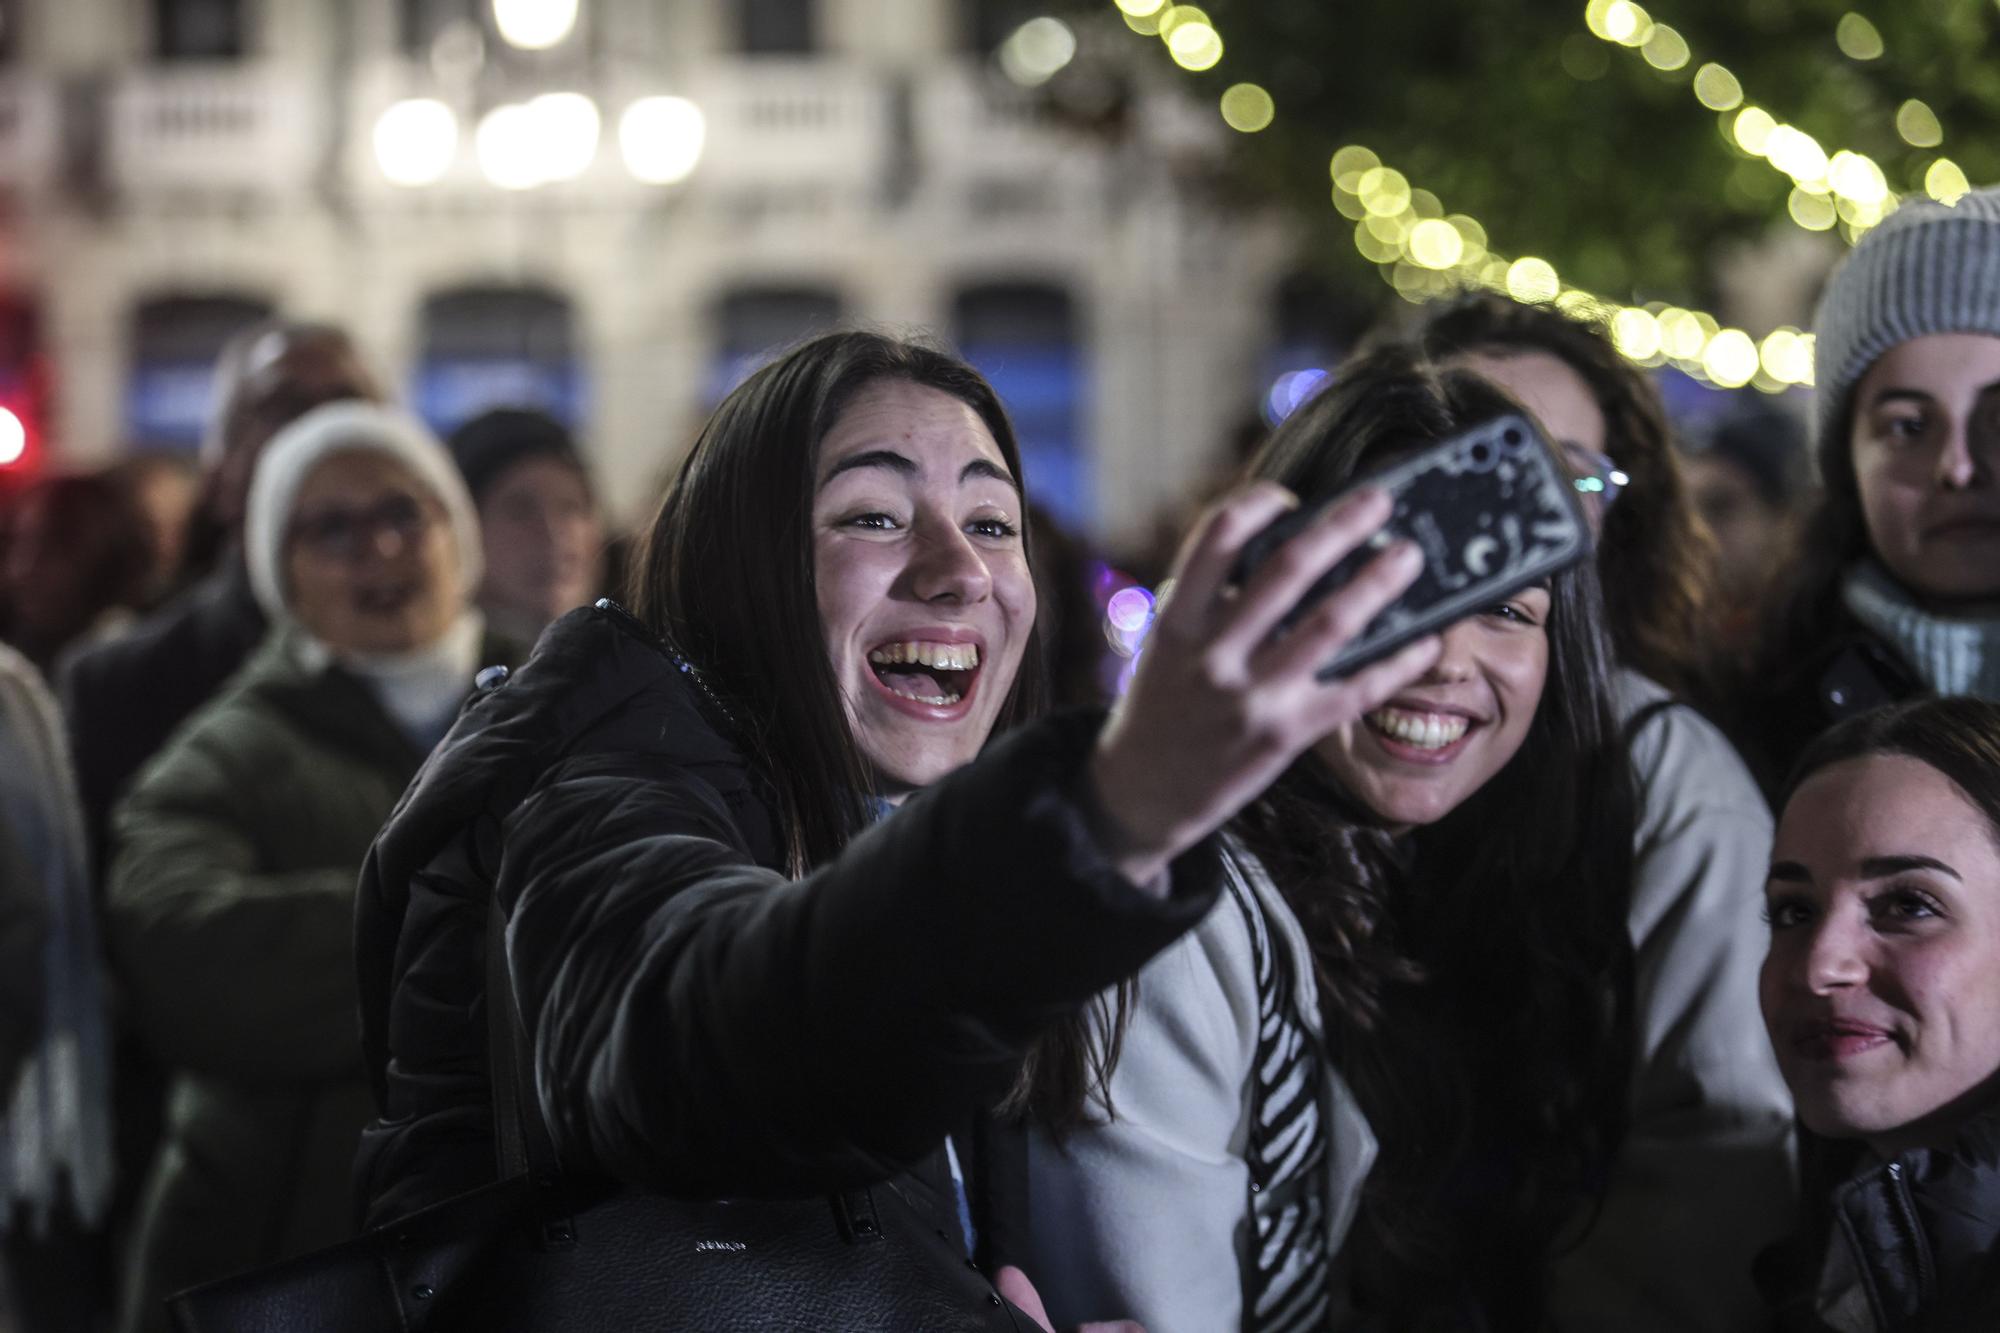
[(1383, 1079), (730, 992)]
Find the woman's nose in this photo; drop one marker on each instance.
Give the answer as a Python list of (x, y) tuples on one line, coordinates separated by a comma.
[(1836, 956), (1455, 662), (944, 565), (1959, 464)]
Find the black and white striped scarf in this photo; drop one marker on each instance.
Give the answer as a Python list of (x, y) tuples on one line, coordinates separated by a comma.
[(1287, 1273)]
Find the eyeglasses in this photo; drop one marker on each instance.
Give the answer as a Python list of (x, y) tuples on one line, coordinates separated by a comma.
[(1598, 478), (346, 534)]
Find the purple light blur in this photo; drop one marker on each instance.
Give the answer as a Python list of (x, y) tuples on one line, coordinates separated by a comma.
[(1129, 609)]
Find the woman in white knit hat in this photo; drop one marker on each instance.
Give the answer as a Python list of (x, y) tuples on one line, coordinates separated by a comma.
[(231, 898), (1897, 583)]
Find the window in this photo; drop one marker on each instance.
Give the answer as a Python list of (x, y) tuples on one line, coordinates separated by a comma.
[(485, 347), (752, 325), (198, 29), (1023, 338), (776, 27), (175, 341)]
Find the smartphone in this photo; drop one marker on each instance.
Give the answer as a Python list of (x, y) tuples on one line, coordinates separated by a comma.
[(1493, 511)]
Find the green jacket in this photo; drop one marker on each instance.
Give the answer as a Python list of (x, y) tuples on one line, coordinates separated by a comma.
[(231, 908)]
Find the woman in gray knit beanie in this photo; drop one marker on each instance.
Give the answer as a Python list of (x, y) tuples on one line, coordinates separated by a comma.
[(1897, 583)]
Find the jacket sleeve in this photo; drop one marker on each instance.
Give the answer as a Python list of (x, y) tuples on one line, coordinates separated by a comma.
[(1704, 1179), (703, 1025), (232, 970), (23, 936)]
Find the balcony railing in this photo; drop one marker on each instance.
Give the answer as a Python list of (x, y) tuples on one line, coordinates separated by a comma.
[(233, 128)]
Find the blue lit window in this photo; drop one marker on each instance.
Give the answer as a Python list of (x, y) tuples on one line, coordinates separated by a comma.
[(1023, 338), (175, 341), (485, 347)]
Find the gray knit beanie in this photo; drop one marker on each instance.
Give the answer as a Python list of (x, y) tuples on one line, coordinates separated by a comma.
[(1928, 268)]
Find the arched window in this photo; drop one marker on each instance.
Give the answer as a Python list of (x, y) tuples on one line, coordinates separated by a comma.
[(751, 324), (485, 347), (1023, 338), (174, 343)]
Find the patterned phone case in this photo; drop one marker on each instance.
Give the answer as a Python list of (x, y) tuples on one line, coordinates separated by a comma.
[(1493, 512)]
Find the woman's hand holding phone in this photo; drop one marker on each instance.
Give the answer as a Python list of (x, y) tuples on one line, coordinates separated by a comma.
[(1220, 705)]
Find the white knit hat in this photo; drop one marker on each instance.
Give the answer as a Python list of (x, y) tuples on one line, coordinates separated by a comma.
[(350, 426)]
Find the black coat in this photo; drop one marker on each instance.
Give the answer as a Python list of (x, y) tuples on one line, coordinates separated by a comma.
[(702, 1025), (124, 698), (1910, 1245), (1844, 673)]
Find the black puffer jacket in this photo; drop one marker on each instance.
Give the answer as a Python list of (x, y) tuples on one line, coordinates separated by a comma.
[(1910, 1245), (702, 1025)]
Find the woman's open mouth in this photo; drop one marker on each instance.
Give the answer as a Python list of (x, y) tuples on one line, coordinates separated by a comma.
[(1424, 736), (938, 675), (387, 599)]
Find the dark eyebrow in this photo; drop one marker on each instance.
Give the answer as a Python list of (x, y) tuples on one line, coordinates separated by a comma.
[(903, 466), (1791, 872), (1881, 867), (1895, 395)]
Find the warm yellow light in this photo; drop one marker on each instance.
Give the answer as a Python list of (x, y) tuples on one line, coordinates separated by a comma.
[(1195, 46), (1384, 190), (1857, 177), (1812, 211), (1681, 334), (1394, 229), (1753, 129), (1348, 206), (534, 25), (506, 144), (1435, 244), (1785, 357), (415, 141), (1636, 333), (1036, 51), (1861, 214), (1140, 9), (1532, 280), (1945, 181), (1627, 24), (1596, 17), (1730, 358), (1918, 125), (1146, 25), (1425, 204), (1470, 229), (1858, 38), (1796, 153), (1717, 89), (1247, 108), (1348, 163), (1665, 48), (566, 130), (1374, 248), (661, 139)]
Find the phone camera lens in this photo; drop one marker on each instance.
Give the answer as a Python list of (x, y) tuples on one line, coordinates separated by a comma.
[(1512, 438), (1481, 455)]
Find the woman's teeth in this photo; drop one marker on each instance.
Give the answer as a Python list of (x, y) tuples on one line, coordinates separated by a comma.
[(1426, 731), (947, 656)]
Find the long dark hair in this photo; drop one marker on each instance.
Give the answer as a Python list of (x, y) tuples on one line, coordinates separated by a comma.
[(725, 573), (1476, 977), (1656, 560)]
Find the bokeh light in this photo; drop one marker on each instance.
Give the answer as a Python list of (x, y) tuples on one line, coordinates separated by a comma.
[(1290, 390), (1814, 212), (1037, 50), (1666, 49), (1858, 38), (1532, 280), (661, 139), (1248, 108), (1129, 609), (1918, 125), (1717, 89), (1730, 358), (13, 438), (415, 141), (1435, 244), (1946, 182), (534, 25)]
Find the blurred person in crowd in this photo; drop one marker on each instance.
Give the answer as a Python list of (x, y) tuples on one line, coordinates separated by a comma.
[(1704, 1179), (164, 489), (74, 565), (836, 613), (1381, 1083), (1069, 621), (1746, 472), (1881, 992), (231, 901), (539, 516), (56, 1163), (1895, 586), (122, 699)]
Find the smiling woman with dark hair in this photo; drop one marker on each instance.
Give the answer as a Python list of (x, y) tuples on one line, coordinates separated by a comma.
[(780, 920), (1881, 992)]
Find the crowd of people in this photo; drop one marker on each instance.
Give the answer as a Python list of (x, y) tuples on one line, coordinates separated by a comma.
[(1624, 955)]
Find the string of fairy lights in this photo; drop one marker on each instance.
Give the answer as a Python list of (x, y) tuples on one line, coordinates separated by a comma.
[(1844, 189), (1426, 252)]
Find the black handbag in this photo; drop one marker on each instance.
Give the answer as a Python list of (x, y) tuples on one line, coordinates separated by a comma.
[(536, 1252)]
